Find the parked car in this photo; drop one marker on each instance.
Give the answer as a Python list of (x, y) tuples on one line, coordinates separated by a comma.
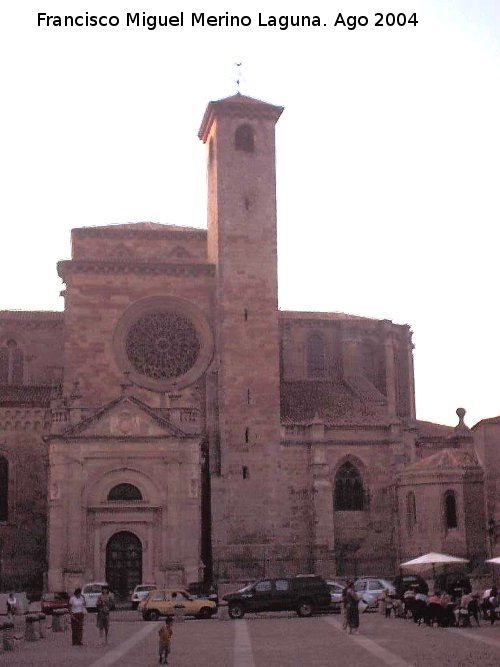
[(92, 591), (140, 592), (166, 602), (404, 582), (51, 601), (453, 583), (304, 594), (336, 588), (371, 589), (199, 589)]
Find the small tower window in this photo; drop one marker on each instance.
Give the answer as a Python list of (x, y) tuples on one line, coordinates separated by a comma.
[(244, 139), (245, 473), (450, 510)]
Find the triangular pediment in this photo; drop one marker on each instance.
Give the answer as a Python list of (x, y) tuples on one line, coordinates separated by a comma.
[(124, 417)]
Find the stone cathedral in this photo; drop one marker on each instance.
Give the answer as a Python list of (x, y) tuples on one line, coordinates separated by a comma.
[(172, 424)]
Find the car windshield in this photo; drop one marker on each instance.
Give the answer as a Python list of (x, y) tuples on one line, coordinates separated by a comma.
[(142, 589), (93, 588), (246, 588)]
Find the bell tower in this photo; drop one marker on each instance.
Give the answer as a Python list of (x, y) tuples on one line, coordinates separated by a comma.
[(239, 133)]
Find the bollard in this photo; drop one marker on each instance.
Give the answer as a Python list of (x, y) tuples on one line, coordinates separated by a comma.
[(8, 635), (57, 620), (223, 612), (178, 612), (42, 630), (30, 629)]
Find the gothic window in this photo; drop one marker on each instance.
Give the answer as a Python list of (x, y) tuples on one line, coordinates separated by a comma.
[(125, 492), (11, 363), (315, 356), (4, 489), (450, 510), (348, 493), (244, 139), (411, 511)]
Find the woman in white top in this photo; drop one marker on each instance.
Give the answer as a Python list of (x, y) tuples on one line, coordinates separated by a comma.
[(77, 614)]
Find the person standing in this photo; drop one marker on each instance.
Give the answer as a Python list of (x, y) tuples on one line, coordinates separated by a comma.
[(493, 602), (165, 635), (352, 611), (11, 604), (77, 615), (103, 609)]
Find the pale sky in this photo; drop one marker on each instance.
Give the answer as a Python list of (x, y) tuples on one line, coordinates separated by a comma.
[(388, 158)]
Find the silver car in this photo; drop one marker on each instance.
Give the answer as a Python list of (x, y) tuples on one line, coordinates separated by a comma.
[(371, 589), (336, 589)]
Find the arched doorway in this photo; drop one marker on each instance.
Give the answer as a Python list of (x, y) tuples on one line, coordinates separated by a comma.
[(123, 563)]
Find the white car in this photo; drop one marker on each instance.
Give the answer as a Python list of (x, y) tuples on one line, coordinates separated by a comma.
[(92, 591), (140, 593)]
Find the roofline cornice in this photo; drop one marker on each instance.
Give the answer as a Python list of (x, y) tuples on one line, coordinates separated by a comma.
[(70, 266)]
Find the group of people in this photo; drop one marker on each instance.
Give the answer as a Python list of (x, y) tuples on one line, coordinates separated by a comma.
[(442, 608), (78, 610)]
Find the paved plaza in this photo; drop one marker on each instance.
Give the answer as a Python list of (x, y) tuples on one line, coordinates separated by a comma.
[(267, 640)]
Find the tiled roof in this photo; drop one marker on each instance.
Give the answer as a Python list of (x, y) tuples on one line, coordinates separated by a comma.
[(489, 420), (310, 315), (431, 430), (25, 396), (444, 460), (332, 402), (136, 226), (31, 315)]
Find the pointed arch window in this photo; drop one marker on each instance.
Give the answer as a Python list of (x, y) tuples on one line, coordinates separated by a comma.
[(411, 511), (4, 489), (450, 510), (348, 492), (11, 363), (315, 356), (244, 138), (126, 492)]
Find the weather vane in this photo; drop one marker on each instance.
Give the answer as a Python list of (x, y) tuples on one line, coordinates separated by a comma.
[(238, 76)]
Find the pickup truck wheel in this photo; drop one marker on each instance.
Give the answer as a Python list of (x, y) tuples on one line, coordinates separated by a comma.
[(236, 610), (305, 608), (153, 615)]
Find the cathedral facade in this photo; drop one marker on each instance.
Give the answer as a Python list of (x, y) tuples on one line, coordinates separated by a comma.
[(173, 424)]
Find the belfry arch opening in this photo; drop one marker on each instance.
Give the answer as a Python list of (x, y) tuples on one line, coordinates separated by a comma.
[(244, 138)]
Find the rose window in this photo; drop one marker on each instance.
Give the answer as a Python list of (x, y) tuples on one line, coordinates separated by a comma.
[(162, 345)]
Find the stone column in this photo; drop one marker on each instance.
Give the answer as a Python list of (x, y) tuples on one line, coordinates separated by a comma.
[(56, 522), (323, 537), (390, 372), (411, 378)]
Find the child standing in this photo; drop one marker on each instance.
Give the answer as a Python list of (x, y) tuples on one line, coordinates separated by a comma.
[(165, 634)]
